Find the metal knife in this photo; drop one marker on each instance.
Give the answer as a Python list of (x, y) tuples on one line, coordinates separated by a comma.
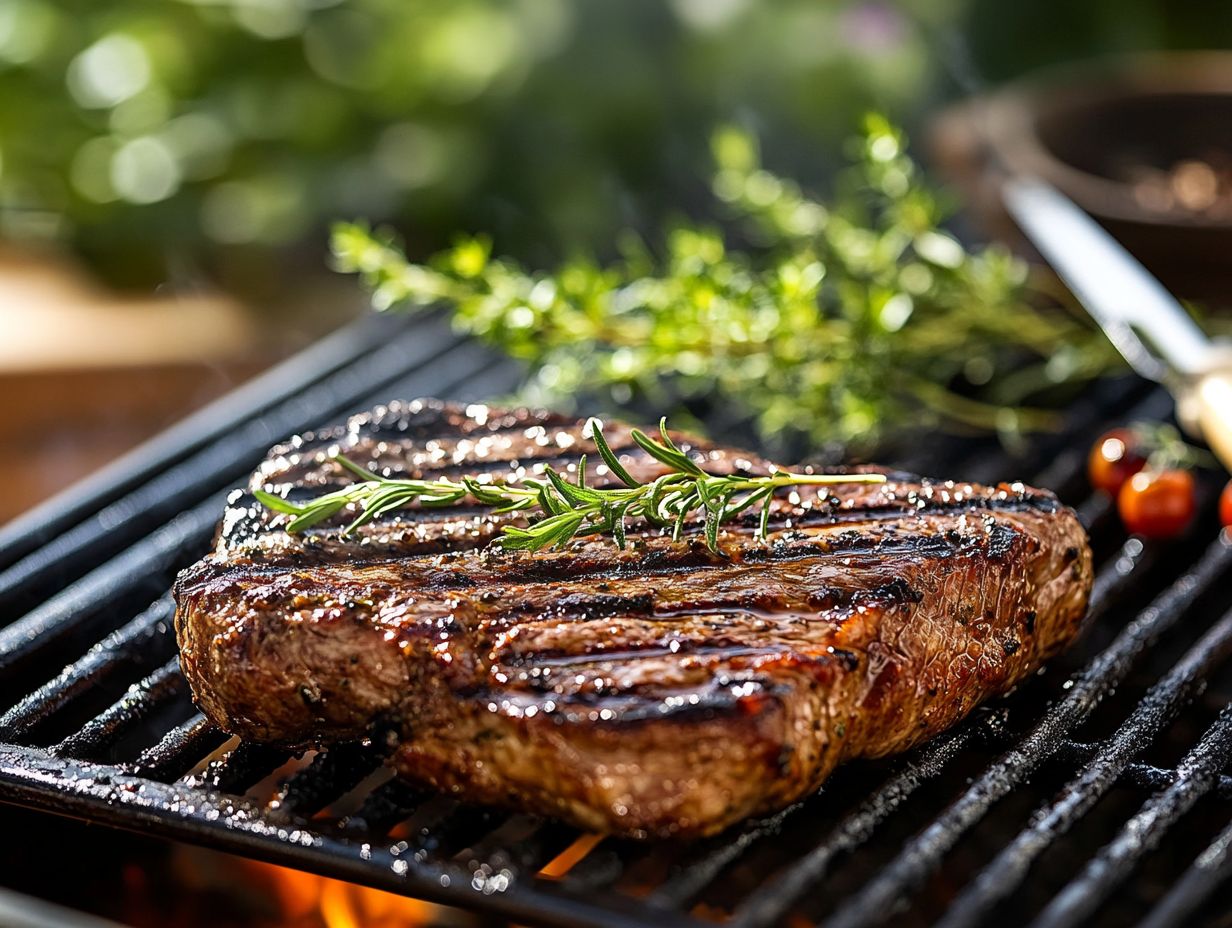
[(1145, 322)]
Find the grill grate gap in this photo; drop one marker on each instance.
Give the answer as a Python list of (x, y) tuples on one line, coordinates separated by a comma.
[(240, 768), (331, 773)]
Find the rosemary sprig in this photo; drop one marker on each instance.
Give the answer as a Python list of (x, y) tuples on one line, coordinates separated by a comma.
[(569, 509)]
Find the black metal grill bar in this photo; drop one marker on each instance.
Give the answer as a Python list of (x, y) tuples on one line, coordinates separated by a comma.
[(695, 875), (600, 868), (1112, 578), (1197, 774), (140, 641), (179, 750), (475, 835), (54, 516), (923, 853), (1150, 777), (107, 796), (1211, 869), (1145, 776), (1093, 511), (141, 701), (494, 845), (445, 826), (1161, 703)]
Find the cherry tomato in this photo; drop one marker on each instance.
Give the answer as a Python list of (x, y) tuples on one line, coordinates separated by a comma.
[(1114, 458), (1225, 505), (1157, 505)]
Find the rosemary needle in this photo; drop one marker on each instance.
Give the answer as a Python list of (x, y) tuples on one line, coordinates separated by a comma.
[(569, 509)]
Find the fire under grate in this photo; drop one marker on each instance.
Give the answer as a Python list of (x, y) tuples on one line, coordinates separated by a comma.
[(1098, 793)]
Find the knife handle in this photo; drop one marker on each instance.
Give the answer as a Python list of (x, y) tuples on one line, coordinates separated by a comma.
[(1207, 409)]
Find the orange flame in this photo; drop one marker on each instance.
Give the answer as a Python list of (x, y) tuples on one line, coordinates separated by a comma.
[(310, 901)]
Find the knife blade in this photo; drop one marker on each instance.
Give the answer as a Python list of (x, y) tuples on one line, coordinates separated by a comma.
[(1121, 295), (1141, 318)]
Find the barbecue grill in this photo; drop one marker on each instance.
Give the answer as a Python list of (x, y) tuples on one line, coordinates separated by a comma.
[(1096, 793)]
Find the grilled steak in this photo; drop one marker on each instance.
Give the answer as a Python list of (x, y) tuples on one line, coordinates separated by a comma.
[(663, 689)]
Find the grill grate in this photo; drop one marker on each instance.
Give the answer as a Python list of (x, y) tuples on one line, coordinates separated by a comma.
[(1041, 805)]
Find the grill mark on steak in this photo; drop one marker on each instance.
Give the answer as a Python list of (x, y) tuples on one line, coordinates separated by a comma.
[(582, 607), (665, 689), (581, 562), (715, 700), (444, 453), (424, 420), (718, 650)]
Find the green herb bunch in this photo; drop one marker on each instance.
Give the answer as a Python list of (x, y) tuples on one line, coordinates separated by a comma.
[(569, 509), (839, 323)]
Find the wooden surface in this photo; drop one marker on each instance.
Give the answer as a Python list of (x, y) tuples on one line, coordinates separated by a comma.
[(85, 375), (58, 426)]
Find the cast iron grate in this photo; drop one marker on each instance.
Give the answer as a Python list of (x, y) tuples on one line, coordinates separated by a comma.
[(1098, 793)]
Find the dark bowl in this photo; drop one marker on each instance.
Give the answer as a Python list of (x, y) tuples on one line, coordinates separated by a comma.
[(1142, 143)]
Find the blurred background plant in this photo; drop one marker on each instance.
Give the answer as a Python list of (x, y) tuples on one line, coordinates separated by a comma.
[(173, 141)]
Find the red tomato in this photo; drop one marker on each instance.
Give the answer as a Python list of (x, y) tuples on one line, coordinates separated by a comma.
[(1114, 458), (1157, 505), (1225, 505)]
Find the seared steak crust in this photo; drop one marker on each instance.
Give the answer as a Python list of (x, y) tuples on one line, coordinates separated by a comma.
[(663, 689)]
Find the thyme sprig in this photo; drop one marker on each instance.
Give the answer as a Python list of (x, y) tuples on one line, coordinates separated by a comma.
[(572, 508), (856, 316)]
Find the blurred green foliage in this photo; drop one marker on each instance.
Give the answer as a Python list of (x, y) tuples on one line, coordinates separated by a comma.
[(142, 131), (149, 133)]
